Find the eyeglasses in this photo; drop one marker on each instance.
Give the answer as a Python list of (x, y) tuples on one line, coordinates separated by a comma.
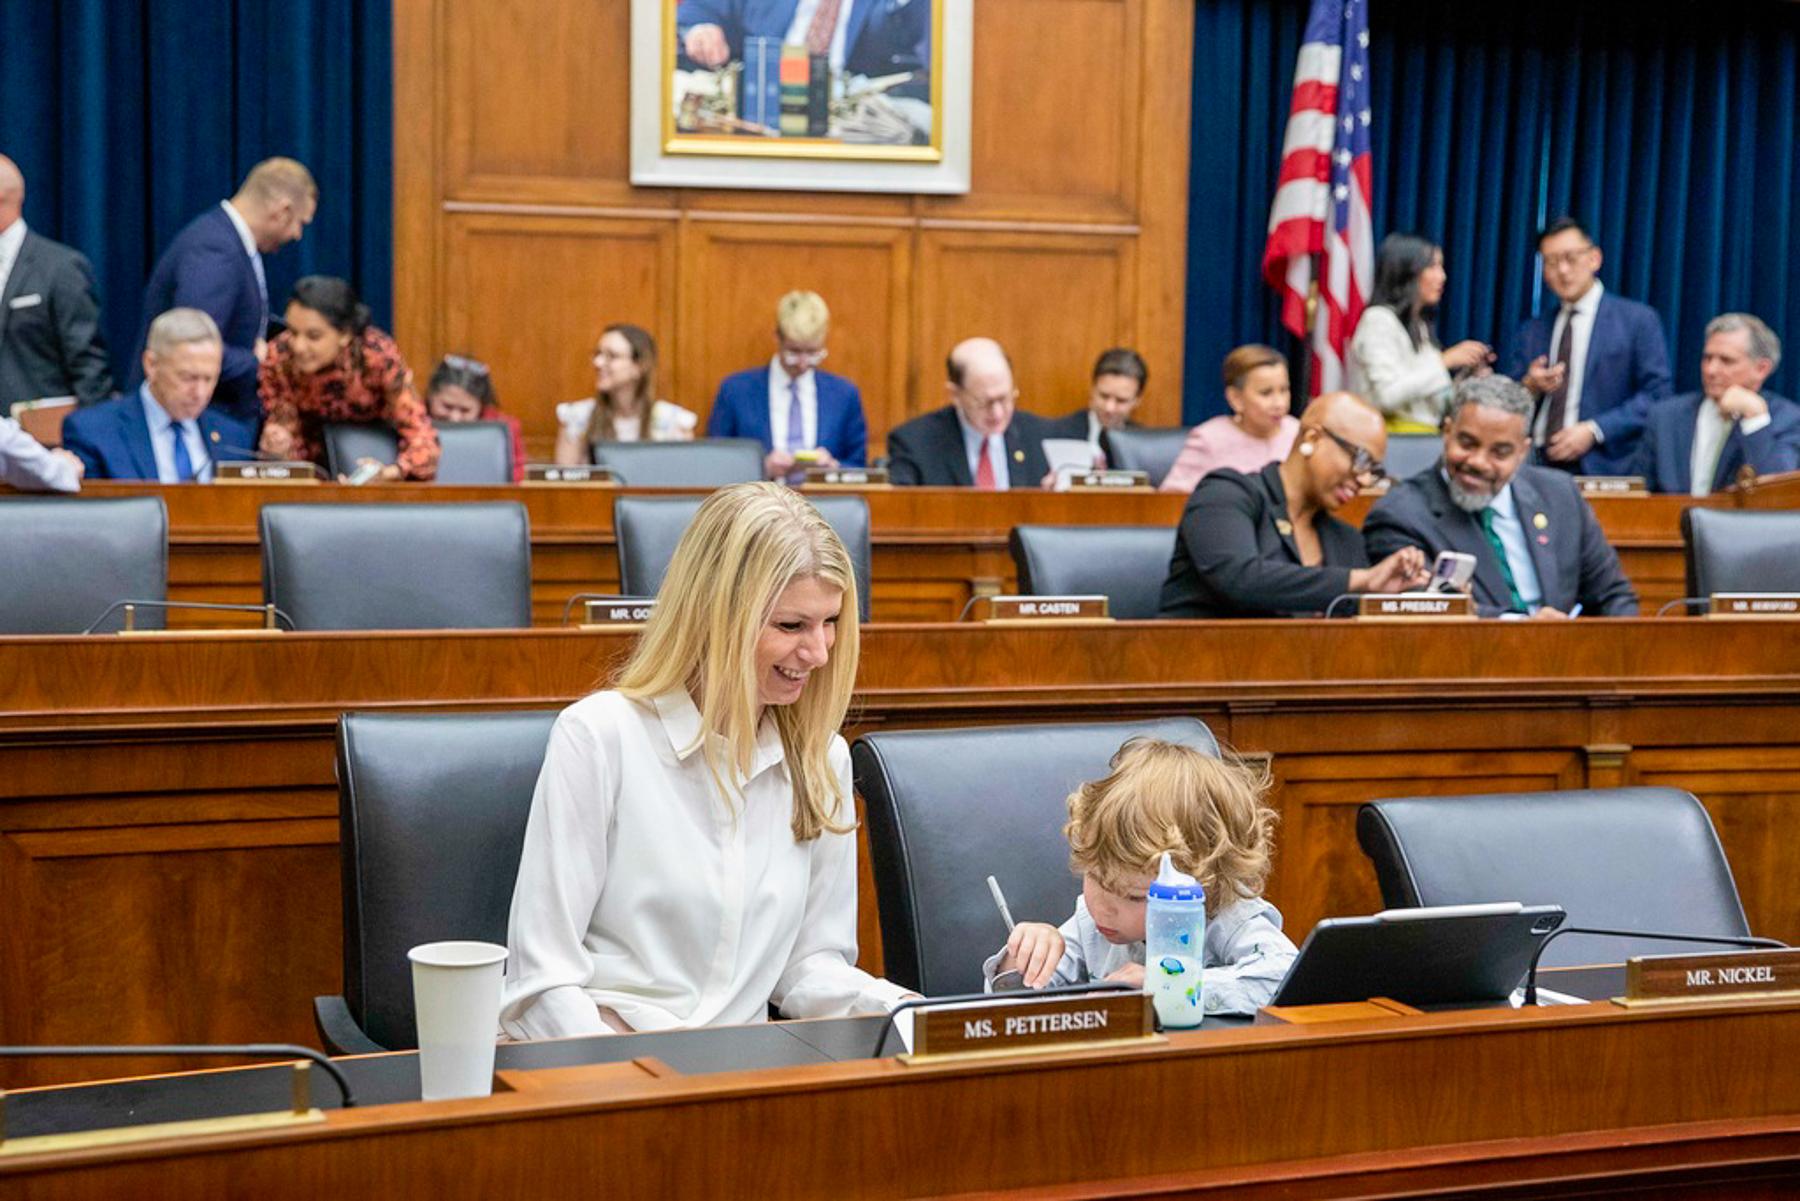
[(472, 366), (803, 358), (1568, 258), (1368, 469)]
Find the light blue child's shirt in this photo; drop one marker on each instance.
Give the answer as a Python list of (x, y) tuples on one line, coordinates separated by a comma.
[(1246, 955)]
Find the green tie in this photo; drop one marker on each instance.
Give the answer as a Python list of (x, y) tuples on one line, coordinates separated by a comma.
[(1487, 531)]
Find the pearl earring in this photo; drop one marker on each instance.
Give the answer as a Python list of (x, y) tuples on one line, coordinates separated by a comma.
[(1306, 449)]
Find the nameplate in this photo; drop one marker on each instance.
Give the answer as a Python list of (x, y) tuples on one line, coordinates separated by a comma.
[(619, 611), (847, 477), (1108, 481), (562, 477), (298, 472), (1613, 485), (1030, 1024), (1711, 976), (1413, 606), (1047, 609), (1753, 604)]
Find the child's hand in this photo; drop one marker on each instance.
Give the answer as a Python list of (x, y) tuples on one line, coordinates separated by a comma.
[(1034, 950), (1131, 973)]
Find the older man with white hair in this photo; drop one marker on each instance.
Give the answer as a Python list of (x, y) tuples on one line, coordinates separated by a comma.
[(1699, 442), (50, 342), (1538, 547), (166, 431), (979, 439)]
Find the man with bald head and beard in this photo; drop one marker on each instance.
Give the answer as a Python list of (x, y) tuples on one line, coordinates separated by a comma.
[(1538, 548), (1267, 544), (979, 439), (50, 342)]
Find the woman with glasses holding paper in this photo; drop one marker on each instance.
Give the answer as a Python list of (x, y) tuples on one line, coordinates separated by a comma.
[(690, 857), (803, 415), (1267, 544)]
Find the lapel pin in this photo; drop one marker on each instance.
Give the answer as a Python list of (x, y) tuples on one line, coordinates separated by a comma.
[(1018, 456), (215, 435), (1284, 527), (1543, 540), (1540, 521)]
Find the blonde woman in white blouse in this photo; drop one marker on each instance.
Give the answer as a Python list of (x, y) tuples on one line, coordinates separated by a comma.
[(691, 856), (1395, 361)]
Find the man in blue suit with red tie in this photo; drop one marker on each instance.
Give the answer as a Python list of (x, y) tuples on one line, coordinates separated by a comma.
[(1596, 363), (215, 265), (861, 37), (802, 416), (1697, 443), (165, 431)]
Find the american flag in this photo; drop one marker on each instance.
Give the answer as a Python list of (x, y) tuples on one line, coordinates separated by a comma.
[(1321, 204)]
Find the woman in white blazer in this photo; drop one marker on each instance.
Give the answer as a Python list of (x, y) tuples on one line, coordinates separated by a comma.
[(1395, 360)]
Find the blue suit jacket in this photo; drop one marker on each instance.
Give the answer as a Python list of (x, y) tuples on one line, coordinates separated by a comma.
[(205, 267), (1665, 456), (1573, 560), (885, 37), (1627, 371), (741, 410), (113, 438)]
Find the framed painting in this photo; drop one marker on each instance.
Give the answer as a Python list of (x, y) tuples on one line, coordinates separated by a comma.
[(823, 95)]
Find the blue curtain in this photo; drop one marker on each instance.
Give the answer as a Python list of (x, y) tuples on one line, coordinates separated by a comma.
[(1669, 130), (128, 117)]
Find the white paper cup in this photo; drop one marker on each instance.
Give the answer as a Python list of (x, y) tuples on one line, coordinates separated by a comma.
[(456, 997)]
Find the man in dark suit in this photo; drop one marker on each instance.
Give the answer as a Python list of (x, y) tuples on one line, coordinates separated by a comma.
[(215, 265), (791, 406), (1119, 378), (979, 438), (1597, 362), (1697, 443), (1538, 546), (50, 341), (877, 37), (164, 432)]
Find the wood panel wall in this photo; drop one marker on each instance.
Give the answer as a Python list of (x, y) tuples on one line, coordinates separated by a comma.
[(518, 234)]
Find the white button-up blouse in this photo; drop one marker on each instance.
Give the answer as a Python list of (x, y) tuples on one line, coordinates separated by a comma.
[(644, 890)]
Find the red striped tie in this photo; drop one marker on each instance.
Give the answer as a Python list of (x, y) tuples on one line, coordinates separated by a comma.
[(984, 470)]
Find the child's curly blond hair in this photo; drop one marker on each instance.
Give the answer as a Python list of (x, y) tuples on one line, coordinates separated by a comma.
[(1209, 813)]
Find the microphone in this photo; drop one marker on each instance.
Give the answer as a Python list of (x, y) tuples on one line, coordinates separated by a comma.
[(1724, 940), (245, 1050), (269, 613), (1684, 600)]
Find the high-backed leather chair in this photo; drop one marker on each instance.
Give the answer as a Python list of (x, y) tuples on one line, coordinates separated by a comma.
[(1147, 448), (1409, 454), (703, 463), (398, 566), (474, 452), (1731, 550), (1126, 563), (647, 529), (1621, 858), (948, 808), (432, 813), (64, 561)]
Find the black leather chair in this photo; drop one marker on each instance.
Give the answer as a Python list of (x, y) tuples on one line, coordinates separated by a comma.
[(1735, 551), (432, 812), (647, 529), (474, 452), (1148, 448), (948, 808), (1409, 454), (704, 463), (1621, 858), (63, 562), (399, 566), (1127, 563)]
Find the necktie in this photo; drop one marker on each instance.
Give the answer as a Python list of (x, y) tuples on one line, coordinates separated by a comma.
[(796, 430), (184, 465), (1514, 601), (1558, 398), (824, 25), (984, 470)]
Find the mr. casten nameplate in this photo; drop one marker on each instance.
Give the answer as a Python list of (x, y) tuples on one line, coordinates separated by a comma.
[(1033, 610)]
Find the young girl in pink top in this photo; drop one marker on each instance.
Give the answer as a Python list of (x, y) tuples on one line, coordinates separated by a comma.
[(1259, 431)]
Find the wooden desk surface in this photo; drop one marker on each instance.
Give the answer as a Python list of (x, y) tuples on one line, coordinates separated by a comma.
[(169, 815), (933, 548), (1692, 1101)]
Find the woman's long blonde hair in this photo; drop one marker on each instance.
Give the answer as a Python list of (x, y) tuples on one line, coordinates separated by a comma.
[(745, 546), (1208, 813)]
